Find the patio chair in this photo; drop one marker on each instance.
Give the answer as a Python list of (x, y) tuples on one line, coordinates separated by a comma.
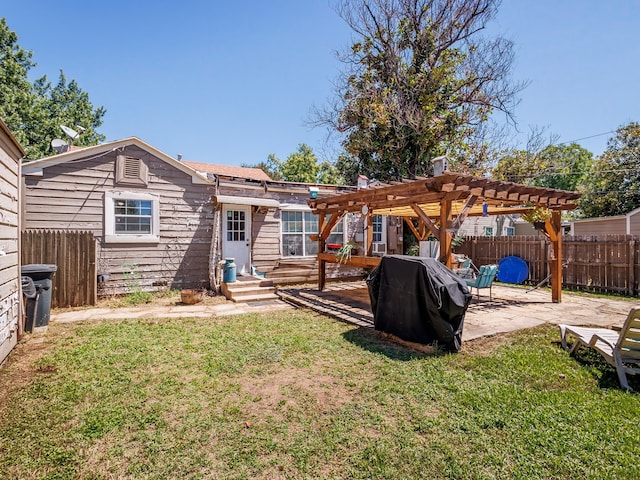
[(484, 279), (620, 349)]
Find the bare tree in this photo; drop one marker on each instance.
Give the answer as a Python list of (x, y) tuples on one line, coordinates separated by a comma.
[(420, 81)]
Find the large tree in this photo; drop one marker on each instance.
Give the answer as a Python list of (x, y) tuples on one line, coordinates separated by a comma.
[(563, 167), (35, 111), (613, 185), (420, 80)]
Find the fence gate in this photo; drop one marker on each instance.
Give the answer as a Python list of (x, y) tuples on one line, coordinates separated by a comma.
[(74, 284)]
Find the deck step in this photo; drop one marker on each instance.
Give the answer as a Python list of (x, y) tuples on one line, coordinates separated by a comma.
[(254, 297), (249, 290)]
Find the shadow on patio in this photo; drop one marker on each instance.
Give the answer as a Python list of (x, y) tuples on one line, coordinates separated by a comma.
[(512, 308)]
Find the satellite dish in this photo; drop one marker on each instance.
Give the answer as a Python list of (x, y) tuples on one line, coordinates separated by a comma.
[(70, 132), (59, 145)]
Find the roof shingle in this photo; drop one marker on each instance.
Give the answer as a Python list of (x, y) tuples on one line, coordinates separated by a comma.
[(228, 170)]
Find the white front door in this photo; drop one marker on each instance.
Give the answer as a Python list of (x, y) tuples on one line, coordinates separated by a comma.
[(236, 236)]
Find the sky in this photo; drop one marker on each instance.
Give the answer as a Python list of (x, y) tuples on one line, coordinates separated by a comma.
[(232, 82)]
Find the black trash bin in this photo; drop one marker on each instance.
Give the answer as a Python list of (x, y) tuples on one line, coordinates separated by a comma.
[(40, 305)]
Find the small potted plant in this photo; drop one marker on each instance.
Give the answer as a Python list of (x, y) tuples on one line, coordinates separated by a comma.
[(538, 217), (344, 253)]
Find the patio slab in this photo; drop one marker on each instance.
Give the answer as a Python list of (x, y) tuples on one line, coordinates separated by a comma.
[(512, 308)]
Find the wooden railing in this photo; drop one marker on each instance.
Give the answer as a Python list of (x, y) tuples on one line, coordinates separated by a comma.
[(74, 253)]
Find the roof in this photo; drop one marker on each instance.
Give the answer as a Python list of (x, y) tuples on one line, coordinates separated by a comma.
[(35, 167), (613, 217), (13, 144), (464, 193), (228, 170)]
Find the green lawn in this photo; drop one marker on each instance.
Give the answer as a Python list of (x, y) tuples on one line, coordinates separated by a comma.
[(298, 395)]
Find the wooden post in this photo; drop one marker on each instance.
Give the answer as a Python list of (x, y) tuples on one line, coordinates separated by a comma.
[(369, 236), (322, 264), (556, 264), (445, 236)]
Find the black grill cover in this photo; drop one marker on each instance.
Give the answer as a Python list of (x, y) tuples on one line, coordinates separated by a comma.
[(418, 300)]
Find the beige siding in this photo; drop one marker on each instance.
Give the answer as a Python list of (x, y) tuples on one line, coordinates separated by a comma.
[(634, 224), (265, 244), (70, 196), (10, 297), (609, 226)]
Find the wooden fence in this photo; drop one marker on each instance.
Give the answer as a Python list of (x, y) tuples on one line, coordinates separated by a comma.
[(74, 283), (600, 264)]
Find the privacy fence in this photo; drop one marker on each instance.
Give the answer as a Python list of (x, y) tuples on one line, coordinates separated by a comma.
[(598, 264), (74, 284)]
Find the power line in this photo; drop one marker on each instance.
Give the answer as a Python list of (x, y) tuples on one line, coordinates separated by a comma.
[(585, 138)]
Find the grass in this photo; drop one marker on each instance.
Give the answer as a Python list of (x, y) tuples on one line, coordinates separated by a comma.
[(297, 395)]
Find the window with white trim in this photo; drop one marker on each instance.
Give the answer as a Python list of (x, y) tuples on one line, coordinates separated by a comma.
[(377, 228), (131, 217), (488, 231), (297, 229), (511, 231)]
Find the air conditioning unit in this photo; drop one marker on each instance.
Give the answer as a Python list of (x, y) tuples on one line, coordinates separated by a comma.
[(379, 248)]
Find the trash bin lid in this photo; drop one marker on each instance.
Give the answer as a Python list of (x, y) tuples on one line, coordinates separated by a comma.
[(38, 268)]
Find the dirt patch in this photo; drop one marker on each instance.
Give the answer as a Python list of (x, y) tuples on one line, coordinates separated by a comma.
[(170, 298), (482, 347), (290, 387), (20, 367)]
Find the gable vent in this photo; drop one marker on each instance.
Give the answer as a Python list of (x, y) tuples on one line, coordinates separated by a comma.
[(131, 171), (132, 167)]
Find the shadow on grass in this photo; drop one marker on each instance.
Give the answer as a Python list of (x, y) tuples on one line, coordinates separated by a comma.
[(601, 371), (376, 342)]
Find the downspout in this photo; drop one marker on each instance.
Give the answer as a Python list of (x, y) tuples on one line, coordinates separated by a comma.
[(215, 250)]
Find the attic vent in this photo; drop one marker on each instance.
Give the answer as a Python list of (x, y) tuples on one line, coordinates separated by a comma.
[(131, 167), (131, 171)]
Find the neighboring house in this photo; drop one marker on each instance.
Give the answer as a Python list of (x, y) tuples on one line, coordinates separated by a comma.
[(10, 289), (628, 224), (160, 222), (489, 226)]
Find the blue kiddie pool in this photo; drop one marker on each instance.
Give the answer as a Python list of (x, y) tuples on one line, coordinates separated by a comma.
[(512, 270)]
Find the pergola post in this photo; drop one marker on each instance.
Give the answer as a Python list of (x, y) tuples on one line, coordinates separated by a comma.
[(556, 263), (369, 236), (445, 236)]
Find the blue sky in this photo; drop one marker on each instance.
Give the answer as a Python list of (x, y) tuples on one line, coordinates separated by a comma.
[(231, 82)]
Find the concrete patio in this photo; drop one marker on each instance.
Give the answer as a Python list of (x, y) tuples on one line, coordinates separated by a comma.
[(512, 308)]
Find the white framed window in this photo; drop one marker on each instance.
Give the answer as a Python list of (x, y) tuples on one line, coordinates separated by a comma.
[(131, 217), (511, 231), (488, 231), (297, 229), (378, 228)]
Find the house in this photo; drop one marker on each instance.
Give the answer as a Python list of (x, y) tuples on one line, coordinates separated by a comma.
[(628, 224), (11, 310), (489, 226), (151, 215), (160, 222)]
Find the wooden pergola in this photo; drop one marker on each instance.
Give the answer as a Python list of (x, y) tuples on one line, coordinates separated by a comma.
[(440, 204)]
